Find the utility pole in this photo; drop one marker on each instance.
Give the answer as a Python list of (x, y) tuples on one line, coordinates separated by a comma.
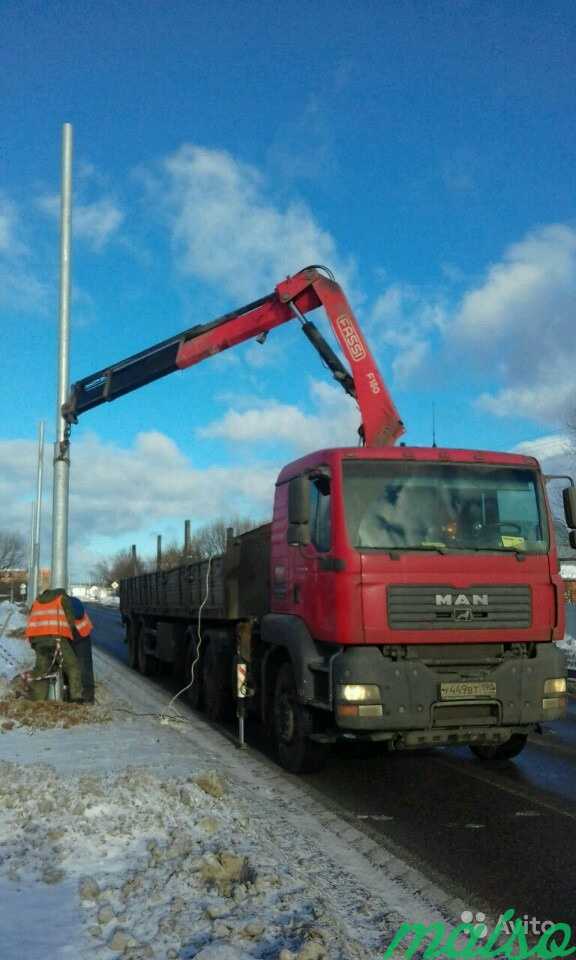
[(61, 482), (34, 578), (159, 552), (187, 540)]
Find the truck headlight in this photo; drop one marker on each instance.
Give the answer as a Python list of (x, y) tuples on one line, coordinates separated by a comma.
[(359, 692), (558, 685)]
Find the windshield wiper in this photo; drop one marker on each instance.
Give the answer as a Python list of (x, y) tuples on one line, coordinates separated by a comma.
[(428, 547)]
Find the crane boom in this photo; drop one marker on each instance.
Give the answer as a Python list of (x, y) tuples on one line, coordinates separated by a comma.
[(292, 298)]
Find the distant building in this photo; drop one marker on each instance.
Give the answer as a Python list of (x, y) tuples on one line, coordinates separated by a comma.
[(14, 583), (90, 591)]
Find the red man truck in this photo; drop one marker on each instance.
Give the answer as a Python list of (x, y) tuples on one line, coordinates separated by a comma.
[(406, 595)]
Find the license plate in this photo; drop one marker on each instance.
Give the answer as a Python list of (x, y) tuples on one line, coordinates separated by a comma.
[(467, 690)]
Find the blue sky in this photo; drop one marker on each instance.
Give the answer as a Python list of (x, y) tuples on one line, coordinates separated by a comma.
[(424, 150)]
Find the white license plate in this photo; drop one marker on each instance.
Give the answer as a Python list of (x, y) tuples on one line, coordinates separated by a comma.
[(467, 690)]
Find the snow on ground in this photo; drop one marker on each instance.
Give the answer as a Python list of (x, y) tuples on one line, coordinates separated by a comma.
[(138, 838), (16, 655), (568, 644)]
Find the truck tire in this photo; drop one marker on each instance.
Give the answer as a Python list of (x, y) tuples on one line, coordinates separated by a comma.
[(147, 664), (132, 643), (504, 751), (292, 722), (217, 683)]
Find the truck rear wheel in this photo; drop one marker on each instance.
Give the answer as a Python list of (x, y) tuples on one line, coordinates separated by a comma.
[(503, 751), (292, 724), (147, 664), (216, 683), (132, 642)]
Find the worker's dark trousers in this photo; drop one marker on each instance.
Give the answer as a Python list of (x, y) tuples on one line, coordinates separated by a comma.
[(45, 649), (82, 647)]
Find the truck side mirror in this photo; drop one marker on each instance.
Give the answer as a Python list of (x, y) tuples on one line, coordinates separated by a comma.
[(298, 511), (299, 500), (569, 497)]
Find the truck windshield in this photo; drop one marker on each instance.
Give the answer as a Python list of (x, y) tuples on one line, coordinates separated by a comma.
[(437, 506)]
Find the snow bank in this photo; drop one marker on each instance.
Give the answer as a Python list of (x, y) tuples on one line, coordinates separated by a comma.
[(155, 866), (568, 644), (142, 840), (138, 864), (16, 654)]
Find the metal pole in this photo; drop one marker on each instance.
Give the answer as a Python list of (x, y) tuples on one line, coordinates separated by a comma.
[(187, 542), (35, 571), (159, 552), (134, 560), (31, 552), (61, 483)]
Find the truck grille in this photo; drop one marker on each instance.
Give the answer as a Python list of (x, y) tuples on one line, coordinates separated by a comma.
[(449, 608)]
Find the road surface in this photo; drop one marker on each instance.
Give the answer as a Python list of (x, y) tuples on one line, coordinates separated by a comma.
[(493, 838)]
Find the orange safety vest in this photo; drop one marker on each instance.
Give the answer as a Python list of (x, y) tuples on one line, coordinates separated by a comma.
[(84, 626), (48, 620)]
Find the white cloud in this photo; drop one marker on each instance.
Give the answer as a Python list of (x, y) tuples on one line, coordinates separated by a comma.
[(120, 493), (402, 318), (228, 232), (549, 398), (335, 422), (520, 323), (95, 222), (515, 328), (535, 280), (556, 454), (556, 451), (20, 287), (9, 242), (21, 290)]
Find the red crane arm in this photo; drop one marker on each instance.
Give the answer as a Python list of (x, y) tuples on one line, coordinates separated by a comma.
[(307, 291), (294, 297)]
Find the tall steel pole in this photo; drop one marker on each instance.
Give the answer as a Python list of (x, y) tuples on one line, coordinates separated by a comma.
[(35, 565), (61, 483)]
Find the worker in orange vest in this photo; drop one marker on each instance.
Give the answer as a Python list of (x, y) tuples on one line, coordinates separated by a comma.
[(82, 647), (51, 626)]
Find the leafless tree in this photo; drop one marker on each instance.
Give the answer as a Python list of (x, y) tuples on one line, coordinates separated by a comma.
[(209, 540), (121, 565), (12, 551)]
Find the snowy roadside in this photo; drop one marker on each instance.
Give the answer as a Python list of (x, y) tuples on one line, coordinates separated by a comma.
[(568, 644), (139, 839)]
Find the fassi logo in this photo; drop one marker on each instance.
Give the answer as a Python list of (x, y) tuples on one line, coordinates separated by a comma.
[(351, 336)]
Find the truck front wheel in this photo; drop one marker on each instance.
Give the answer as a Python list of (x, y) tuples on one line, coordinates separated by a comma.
[(503, 751), (292, 724)]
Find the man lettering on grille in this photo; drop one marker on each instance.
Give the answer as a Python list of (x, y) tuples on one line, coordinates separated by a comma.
[(51, 624)]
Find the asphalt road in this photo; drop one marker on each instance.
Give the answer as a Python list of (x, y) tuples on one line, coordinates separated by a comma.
[(496, 838)]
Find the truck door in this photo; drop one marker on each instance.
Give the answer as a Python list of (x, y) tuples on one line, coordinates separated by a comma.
[(314, 592)]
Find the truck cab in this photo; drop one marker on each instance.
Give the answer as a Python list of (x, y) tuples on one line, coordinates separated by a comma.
[(421, 590)]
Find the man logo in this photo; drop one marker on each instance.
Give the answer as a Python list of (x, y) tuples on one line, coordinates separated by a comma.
[(461, 600)]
